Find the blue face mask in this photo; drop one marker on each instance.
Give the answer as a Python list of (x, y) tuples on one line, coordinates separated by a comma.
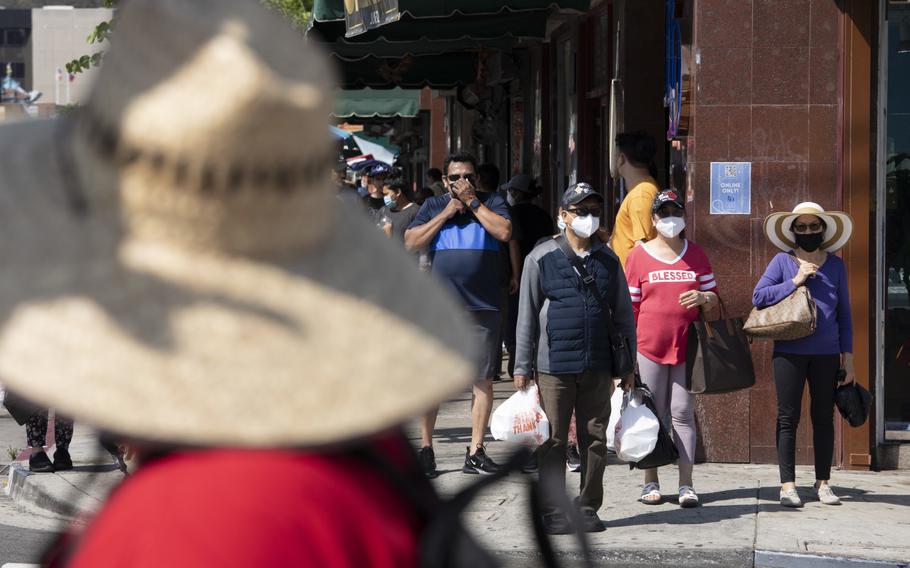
[(362, 191), (389, 202)]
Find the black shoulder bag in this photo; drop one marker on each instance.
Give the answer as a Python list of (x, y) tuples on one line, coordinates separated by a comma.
[(621, 361)]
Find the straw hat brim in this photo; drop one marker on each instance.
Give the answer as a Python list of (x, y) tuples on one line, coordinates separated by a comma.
[(158, 343), (838, 232)]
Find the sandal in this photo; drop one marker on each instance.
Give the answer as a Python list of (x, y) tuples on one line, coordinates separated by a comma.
[(650, 494), (687, 497)]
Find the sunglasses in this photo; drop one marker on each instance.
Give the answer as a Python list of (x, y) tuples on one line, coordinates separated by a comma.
[(665, 212), (585, 211), (455, 177), (810, 228)]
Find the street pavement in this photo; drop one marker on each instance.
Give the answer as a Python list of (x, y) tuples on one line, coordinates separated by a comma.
[(740, 523), (24, 534)]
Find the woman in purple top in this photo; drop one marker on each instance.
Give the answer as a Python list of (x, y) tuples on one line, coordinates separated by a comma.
[(809, 235)]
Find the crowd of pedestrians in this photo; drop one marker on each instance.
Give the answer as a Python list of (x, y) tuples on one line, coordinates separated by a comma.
[(167, 277), (644, 276)]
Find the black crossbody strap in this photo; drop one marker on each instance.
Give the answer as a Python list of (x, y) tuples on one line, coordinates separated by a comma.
[(588, 280)]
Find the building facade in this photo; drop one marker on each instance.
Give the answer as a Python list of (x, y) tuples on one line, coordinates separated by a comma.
[(810, 97)]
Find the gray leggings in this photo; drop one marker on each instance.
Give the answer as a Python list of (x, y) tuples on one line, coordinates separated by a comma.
[(668, 384)]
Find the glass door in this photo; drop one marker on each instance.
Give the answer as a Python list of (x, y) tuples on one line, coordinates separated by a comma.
[(895, 399)]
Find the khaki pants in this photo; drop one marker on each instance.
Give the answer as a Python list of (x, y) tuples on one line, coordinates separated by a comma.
[(588, 394)]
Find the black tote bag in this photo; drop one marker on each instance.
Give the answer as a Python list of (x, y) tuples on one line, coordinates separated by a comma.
[(665, 452), (718, 358)]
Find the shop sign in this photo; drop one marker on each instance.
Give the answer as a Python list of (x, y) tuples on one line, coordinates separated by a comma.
[(363, 15), (731, 188)]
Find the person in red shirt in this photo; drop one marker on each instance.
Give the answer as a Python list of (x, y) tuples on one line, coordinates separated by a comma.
[(670, 278), (182, 280)]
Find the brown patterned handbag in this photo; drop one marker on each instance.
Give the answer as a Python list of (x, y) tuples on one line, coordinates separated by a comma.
[(793, 317)]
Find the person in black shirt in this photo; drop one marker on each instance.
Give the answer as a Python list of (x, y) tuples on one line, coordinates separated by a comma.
[(375, 176), (530, 223), (398, 211)]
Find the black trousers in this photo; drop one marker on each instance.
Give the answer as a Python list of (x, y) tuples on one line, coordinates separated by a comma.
[(790, 375)]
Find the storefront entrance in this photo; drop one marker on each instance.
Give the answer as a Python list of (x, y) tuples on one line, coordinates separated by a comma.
[(894, 215)]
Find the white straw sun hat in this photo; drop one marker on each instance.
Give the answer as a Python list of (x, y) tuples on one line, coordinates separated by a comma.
[(174, 266), (838, 227)]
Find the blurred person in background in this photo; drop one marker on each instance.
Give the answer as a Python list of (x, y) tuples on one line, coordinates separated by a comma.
[(633, 224), (463, 230)]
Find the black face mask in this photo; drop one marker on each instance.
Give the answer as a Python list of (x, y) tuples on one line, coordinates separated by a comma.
[(810, 242)]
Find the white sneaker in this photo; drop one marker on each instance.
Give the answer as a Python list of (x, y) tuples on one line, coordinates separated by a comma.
[(790, 498), (826, 495)]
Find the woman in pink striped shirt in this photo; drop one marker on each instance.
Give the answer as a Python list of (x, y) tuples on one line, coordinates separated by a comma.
[(669, 279)]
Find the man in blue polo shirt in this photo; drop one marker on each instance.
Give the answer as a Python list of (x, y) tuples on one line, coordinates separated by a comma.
[(463, 229)]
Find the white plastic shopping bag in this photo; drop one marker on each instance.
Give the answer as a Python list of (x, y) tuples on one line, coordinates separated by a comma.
[(521, 419), (615, 410), (637, 429)]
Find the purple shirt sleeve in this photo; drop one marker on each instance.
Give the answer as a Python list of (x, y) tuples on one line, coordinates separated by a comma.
[(774, 284), (844, 316)]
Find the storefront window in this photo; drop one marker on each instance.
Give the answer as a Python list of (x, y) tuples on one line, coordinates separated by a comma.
[(897, 226)]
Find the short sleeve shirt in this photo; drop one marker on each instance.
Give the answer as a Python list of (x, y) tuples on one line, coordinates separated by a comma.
[(400, 220), (464, 255), (662, 324), (633, 220)]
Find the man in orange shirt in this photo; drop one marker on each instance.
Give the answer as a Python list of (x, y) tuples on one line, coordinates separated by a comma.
[(636, 166)]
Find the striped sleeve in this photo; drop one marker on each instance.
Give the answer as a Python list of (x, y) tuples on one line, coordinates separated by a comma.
[(635, 294), (707, 282)]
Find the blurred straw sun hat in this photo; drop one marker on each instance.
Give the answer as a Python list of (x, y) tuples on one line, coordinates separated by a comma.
[(838, 227), (175, 269)]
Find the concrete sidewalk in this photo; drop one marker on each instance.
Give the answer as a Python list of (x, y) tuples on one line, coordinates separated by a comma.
[(67, 493), (740, 523)]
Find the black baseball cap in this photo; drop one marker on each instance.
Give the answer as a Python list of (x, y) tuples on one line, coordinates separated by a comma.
[(667, 196), (578, 193), (521, 182)]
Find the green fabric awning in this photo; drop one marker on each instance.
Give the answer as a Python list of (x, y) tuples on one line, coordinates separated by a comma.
[(435, 71), (353, 51), (366, 103), (325, 10), (434, 43), (531, 24)]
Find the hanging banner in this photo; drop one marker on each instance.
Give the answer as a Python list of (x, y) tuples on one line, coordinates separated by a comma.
[(363, 15)]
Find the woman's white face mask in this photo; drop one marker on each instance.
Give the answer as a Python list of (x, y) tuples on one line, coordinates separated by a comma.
[(671, 226)]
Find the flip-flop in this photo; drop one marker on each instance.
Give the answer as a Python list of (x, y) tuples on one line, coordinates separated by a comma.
[(687, 497), (650, 494)]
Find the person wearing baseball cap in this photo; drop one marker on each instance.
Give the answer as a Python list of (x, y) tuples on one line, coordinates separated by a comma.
[(807, 237), (530, 223), (670, 278), (562, 336)]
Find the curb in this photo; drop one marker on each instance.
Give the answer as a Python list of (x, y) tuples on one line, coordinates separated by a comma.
[(769, 559), (47, 495), (640, 558)]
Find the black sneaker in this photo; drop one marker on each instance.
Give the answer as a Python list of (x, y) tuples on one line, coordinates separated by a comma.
[(62, 460), (556, 523), (531, 466), (427, 459), (573, 459), (40, 463), (480, 462), (591, 522)]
